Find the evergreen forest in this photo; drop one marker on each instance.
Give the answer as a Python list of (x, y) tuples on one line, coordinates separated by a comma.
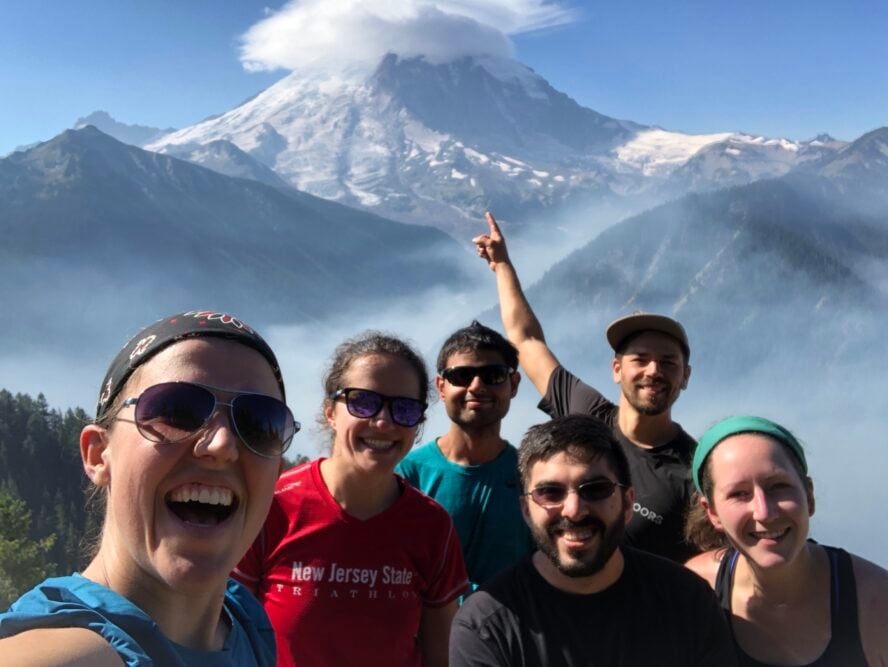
[(42, 516)]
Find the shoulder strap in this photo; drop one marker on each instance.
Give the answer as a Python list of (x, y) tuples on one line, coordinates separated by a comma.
[(724, 578), (844, 623)]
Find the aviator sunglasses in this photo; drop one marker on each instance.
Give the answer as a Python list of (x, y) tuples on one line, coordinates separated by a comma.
[(366, 404), (550, 496), (170, 412), (462, 376)]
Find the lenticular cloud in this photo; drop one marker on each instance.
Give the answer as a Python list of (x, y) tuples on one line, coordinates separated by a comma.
[(340, 32)]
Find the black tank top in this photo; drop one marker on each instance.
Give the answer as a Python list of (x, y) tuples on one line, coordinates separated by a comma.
[(844, 648)]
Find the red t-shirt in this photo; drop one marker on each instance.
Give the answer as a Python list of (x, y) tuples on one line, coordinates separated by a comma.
[(341, 591)]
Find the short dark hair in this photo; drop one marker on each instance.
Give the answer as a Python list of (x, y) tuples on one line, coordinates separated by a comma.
[(581, 437), (474, 338)]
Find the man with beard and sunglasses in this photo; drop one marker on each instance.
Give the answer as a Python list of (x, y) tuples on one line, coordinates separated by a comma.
[(582, 598), (650, 364), (471, 469)]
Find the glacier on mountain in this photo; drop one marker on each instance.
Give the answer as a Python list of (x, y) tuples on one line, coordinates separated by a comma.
[(441, 143)]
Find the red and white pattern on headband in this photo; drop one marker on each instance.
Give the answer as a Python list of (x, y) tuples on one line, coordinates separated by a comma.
[(224, 318), (142, 346), (106, 393)]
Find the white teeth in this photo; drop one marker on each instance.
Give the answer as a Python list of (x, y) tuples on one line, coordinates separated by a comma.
[(377, 444), (770, 534), (578, 536), (209, 495)]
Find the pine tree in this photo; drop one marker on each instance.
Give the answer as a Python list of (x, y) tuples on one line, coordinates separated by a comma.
[(23, 561)]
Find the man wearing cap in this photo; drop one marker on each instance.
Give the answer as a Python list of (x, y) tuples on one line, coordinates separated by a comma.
[(650, 364)]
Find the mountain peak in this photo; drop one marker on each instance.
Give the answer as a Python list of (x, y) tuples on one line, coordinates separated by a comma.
[(135, 135)]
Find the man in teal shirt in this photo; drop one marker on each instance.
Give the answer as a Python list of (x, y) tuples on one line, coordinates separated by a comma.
[(471, 470)]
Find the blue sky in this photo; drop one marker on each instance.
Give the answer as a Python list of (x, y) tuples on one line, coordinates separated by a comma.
[(778, 68)]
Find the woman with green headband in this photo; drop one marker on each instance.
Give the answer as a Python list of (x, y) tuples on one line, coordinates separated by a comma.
[(789, 600)]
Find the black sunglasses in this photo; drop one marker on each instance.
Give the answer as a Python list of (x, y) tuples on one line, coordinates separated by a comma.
[(366, 404), (173, 411), (462, 376), (550, 496)]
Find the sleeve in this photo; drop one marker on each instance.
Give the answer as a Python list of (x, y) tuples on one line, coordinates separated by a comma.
[(450, 580), (567, 394), (716, 645), (469, 649)]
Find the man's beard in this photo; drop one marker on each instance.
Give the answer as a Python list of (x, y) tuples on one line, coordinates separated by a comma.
[(470, 420), (609, 538), (659, 404)]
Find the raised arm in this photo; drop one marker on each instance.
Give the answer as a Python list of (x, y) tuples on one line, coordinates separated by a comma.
[(522, 327)]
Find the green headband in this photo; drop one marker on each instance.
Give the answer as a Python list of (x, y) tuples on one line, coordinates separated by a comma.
[(733, 426)]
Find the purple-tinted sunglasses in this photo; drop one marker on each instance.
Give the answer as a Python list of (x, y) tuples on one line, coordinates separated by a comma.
[(366, 404)]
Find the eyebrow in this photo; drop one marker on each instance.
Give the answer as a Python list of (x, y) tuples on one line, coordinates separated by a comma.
[(596, 478)]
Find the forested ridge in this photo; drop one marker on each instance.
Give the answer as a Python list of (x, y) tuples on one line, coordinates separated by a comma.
[(42, 516)]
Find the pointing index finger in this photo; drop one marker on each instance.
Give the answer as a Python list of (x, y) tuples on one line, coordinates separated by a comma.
[(494, 228)]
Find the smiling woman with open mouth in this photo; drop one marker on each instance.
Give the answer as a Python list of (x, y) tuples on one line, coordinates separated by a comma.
[(184, 453), (354, 565)]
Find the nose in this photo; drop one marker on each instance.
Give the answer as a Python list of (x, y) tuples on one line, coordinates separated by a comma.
[(383, 418), (762, 505), (653, 369), (475, 384), (574, 507), (218, 440)]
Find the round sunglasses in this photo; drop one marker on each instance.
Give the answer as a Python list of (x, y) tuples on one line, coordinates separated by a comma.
[(366, 404), (170, 412), (462, 376), (550, 496)]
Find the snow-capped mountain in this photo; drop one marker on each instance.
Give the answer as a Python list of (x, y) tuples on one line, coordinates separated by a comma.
[(226, 158), (440, 143)]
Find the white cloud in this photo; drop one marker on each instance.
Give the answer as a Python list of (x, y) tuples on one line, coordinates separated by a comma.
[(341, 32)]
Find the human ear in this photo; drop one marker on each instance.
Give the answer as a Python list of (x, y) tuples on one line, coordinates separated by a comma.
[(809, 492), (616, 366), (629, 502), (525, 511), (516, 380), (439, 385), (329, 415), (95, 452), (687, 376), (711, 514)]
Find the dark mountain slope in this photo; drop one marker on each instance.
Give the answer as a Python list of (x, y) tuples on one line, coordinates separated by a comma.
[(90, 224)]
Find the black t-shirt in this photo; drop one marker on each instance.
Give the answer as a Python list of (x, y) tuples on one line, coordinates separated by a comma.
[(660, 475), (657, 613)]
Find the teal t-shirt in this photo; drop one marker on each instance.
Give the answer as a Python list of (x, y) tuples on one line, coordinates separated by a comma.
[(77, 602), (482, 500)]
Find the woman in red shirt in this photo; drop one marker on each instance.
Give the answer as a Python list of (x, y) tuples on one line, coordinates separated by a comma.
[(353, 565)]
